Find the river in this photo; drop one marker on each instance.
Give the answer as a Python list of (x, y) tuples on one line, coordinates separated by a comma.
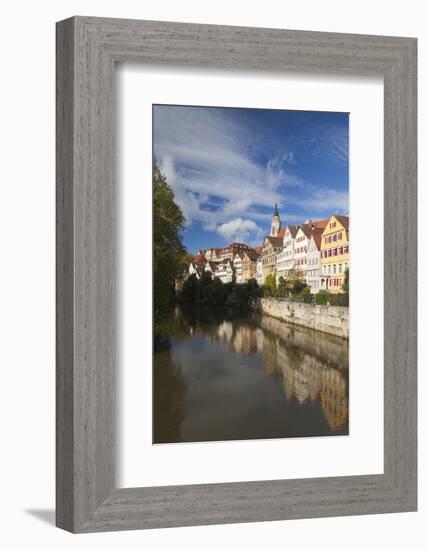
[(222, 376)]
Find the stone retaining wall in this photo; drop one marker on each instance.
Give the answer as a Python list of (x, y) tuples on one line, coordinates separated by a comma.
[(330, 319)]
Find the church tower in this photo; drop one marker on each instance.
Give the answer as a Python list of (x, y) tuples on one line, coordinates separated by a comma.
[(276, 223)]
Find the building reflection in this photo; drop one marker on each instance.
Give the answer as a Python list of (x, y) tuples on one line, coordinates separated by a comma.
[(334, 399), (314, 367), (311, 367)]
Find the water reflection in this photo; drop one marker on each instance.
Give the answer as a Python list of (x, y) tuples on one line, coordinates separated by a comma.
[(219, 377)]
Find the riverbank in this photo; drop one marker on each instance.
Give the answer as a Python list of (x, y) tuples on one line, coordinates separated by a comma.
[(324, 318)]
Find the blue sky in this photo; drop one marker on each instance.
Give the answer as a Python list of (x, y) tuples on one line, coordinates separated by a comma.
[(229, 166)]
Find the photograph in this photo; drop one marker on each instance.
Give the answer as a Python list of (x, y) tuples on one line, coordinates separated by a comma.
[(251, 261)]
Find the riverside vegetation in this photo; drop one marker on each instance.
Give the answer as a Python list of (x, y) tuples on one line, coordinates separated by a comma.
[(210, 290)]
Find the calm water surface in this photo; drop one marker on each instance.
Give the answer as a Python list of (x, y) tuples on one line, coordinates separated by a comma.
[(219, 376)]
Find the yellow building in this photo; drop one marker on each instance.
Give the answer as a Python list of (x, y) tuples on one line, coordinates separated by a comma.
[(334, 253)]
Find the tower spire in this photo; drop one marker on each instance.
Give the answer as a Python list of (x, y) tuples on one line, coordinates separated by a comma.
[(276, 222)]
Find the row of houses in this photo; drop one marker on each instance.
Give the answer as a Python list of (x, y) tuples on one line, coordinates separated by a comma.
[(317, 251)]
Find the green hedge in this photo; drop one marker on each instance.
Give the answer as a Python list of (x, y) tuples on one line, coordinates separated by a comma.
[(323, 298)]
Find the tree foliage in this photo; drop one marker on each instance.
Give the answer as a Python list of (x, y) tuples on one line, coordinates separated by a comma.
[(345, 286), (269, 286), (168, 249), (210, 290)]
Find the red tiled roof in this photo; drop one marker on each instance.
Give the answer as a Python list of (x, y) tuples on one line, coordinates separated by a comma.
[(309, 229), (198, 258), (319, 224)]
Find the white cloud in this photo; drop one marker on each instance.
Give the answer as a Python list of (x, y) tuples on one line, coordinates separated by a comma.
[(216, 149), (240, 230), (207, 157)]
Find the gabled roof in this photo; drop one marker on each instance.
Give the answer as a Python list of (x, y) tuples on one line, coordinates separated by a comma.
[(213, 265), (317, 237), (309, 229), (252, 254), (281, 232), (199, 263), (344, 220), (257, 249), (274, 241), (293, 229)]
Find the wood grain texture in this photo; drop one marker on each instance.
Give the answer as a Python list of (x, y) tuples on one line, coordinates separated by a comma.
[(87, 49)]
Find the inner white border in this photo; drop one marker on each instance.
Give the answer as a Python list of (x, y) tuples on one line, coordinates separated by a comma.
[(140, 462)]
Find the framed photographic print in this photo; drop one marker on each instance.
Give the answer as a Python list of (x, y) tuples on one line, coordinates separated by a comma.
[(236, 274)]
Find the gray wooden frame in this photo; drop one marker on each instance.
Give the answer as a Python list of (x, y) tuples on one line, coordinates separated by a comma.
[(87, 50)]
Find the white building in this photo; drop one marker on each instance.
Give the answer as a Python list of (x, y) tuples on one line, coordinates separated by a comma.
[(224, 271), (301, 243), (237, 265), (313, 263), (285, 259)]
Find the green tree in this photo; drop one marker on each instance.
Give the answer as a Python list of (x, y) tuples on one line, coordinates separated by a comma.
[(269, 287), (189, 290), (345, 286), (168, 249), (216, 293), (203, 285), (253, 288), (282, 290)]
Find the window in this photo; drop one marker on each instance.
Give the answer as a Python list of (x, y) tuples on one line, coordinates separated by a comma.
[(345, 249), (339, 237), (334, 268), (340, 268)]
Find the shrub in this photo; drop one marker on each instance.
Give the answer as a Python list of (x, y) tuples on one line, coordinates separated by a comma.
[(321, 298), (306, 295), (239, 297), (298, 287)]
